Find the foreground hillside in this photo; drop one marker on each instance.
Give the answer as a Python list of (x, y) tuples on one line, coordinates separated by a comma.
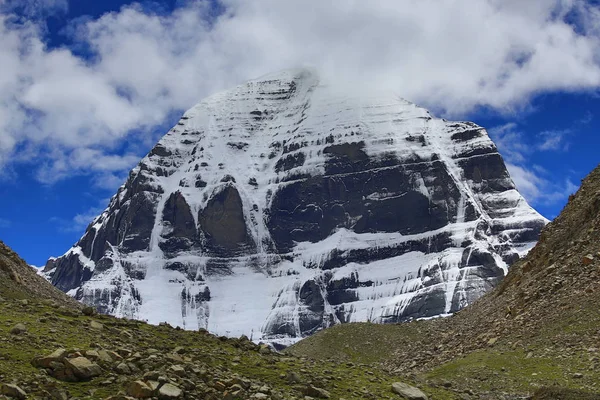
[(52, 348), (540, 327), (20, 281)]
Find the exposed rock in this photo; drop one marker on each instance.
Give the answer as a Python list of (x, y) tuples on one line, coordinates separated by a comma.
[(58, 394), (123, 368), (408, 392), (139, 390), (92, 355), (107, 357), (178, 370), (169, 391), (96, 325), (316, 392), (88, 310), (18, 329), (83, 368), (13, 391), (293, 377), (45, 362)]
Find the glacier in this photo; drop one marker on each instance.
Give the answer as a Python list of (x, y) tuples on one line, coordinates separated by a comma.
[(286, 205)]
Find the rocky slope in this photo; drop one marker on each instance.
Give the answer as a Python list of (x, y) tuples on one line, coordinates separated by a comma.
[(50, 349), (539, 327), (284, 206), (19, 280)]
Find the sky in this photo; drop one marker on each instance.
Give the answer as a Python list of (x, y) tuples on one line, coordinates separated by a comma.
[(87, 87)]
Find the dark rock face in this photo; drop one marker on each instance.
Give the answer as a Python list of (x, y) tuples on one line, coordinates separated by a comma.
[(311, 209), (278, 209), (222, 222), (177, 217)]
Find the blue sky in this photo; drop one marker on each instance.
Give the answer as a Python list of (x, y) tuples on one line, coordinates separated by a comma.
[(87, 87)]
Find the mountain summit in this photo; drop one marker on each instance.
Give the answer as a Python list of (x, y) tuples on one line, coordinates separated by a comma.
[(284, 206)]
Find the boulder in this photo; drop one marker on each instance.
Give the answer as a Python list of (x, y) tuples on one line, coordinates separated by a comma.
[(13, 391), (96, 325), (139, 390), (92, 354), (88, 310), (83, 368), (46, 361), (408, 392), (177, 370), (169, 391), (18, 329), (316, 392), (108, 356), (123, 369)]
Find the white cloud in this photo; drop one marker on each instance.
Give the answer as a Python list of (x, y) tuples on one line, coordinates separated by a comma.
[(554, 140), (510, 142), (454, 57), (80, 221), (534, 182), (528, 182)]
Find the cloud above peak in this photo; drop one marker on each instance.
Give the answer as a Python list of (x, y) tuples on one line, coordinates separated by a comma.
[(57, 106)]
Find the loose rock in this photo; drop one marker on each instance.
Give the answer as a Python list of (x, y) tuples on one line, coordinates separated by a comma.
[(408, 392), (18, 329), (313, 391), (13, 391), (139, 390), (83, 368), (96, 325), (169, 391)]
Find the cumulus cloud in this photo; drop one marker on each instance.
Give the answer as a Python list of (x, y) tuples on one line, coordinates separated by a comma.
[(57, 108), (534, 182), (80, 221), (554, 140)]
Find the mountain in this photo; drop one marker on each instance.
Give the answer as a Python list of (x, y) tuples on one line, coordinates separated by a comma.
[(285, 205), (539, 327)]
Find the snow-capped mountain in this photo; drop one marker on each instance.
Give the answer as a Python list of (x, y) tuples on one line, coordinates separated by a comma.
[(284, 206)]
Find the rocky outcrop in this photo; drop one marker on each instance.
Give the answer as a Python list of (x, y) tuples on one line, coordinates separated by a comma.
[(283, 206)]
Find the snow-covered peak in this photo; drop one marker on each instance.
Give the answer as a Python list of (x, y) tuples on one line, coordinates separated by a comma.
[(285, 205)]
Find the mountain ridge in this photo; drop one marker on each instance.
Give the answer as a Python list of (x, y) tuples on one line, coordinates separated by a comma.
[(19, 280)]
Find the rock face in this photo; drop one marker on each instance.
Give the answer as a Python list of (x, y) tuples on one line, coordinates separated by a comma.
[(283, 206)]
